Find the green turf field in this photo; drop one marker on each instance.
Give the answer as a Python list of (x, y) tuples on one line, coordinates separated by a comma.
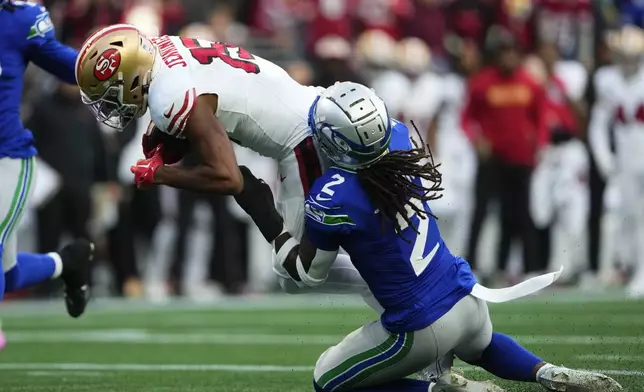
[(271, 344)]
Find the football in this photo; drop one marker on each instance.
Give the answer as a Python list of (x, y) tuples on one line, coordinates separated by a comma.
[(174, 149)]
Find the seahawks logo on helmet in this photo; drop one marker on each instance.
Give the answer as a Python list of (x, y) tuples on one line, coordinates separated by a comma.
[(42, 26)]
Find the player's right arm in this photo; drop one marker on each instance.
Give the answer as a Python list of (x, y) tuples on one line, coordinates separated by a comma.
[(601, 118), (193, 117), (307, 262)]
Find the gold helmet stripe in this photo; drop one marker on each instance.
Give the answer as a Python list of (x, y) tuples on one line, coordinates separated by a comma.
[(93, 38)]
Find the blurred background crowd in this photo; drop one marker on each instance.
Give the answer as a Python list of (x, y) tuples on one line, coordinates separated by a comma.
[(501, 197)]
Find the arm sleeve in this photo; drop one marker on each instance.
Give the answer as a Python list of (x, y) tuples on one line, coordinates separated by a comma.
[(46, 52), (321, 227), (598, 132)]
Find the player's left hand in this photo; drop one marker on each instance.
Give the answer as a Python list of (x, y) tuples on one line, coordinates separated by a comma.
[(145, 169)]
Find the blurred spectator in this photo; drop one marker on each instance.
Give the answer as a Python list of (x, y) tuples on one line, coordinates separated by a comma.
[(505, 119), (417, 54), (146, 16), (560, 196), (469, 19), (424, 96), (334, 54), (173, 16), (83, 16), (376, 57), (301, 71), (383, 15), (452, 148), (208, 234), (331, 18), (569, 25), (73, 150), (131, 214), (223, 26)]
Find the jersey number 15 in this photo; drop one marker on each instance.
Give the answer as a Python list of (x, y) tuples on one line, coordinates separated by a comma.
[(218, 50)]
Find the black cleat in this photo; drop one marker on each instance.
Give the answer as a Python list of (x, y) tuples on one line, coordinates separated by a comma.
[(76, 258)]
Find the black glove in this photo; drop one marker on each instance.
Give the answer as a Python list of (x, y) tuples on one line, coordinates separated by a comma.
[(257, 200)]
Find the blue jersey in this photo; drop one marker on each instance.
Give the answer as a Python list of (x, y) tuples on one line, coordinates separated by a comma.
[(413, 276), (27, 35)]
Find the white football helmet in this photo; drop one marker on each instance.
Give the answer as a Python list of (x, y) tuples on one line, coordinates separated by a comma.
[(627, 45), (351, 125)]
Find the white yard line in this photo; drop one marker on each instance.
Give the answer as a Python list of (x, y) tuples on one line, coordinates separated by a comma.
[(135, 367), (610, 357), (131, 367), (142, 336)]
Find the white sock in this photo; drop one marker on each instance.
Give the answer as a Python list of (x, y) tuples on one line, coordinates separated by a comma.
[(543, 369), (59, 264)]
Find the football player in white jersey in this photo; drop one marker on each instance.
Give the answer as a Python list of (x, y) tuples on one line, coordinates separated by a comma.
[(206, 94), (201, 95), (620, 102)]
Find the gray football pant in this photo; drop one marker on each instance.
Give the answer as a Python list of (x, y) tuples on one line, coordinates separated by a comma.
[(372, 356)]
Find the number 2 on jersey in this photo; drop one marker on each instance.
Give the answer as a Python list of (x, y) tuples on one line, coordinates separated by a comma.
[(218, 50)]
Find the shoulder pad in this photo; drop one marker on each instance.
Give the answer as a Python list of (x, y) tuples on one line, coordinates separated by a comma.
[(327, 203), (35, 17), (171, 105), (400, 137)]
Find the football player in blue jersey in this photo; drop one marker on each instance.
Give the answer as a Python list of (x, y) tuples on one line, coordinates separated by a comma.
[(374, 202), (28, 36)]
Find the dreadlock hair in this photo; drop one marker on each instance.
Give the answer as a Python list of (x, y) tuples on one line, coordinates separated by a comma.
[(389, 183)]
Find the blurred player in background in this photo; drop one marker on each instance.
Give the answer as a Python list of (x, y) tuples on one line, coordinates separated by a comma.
[(620, 102), (559, 200), (376, 55), (28, 36), (504, 118), (373, 202), (452, 148)]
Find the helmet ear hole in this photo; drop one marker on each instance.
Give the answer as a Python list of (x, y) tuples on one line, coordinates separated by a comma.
[(135, 83)]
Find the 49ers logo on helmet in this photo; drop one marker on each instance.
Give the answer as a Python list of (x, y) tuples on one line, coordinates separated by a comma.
[(107, 64)]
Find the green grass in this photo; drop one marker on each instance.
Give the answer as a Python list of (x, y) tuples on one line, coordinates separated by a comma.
[(271, 344)]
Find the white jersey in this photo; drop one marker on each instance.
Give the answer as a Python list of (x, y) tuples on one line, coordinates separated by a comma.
[(620, 101), (424, 100), (393, 87), (453, 102), (259, 104)]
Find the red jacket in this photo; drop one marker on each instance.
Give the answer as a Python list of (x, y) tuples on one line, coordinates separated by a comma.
[(509, 112)]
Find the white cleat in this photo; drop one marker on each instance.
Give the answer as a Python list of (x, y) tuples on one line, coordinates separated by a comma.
[(561, 379), (455, 381)]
